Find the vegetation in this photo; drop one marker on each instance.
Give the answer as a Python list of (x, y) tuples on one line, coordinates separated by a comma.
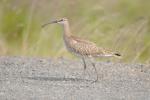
[(121, 25)]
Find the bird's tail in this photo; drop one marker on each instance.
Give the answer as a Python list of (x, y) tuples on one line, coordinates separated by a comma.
[(109, 53), (117, 55), (113, 54)]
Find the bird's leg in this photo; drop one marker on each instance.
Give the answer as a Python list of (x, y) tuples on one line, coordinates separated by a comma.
[(84, 63), (93, 64), (85, 67)]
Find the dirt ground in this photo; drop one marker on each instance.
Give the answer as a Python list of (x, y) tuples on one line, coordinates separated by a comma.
[(24, 78)]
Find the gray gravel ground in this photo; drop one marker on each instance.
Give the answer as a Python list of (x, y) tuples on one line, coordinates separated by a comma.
[(61, 79)]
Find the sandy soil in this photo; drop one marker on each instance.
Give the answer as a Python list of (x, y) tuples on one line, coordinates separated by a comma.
[(62, 79)]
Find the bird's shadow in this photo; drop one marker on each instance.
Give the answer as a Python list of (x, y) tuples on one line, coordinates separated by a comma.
[(57, 79)]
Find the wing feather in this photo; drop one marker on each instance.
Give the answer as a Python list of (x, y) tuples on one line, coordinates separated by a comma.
[(84, 47)]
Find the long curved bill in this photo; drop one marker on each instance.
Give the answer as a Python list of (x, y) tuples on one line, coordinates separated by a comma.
[(55, 21)]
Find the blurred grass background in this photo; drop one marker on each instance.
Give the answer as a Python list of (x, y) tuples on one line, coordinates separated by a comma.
[(121, 25)]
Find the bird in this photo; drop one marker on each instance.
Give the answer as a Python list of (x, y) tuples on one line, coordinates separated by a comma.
[(81, 47)]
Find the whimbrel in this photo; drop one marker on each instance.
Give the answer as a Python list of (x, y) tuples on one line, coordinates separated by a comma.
[(81, 47)]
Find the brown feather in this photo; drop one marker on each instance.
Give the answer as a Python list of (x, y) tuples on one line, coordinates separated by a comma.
[(83, 47)]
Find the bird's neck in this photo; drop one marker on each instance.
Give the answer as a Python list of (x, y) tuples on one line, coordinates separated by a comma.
[(66, 28)]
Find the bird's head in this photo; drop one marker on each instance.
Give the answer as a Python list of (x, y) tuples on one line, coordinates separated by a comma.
[(62, 21), (59, 21)]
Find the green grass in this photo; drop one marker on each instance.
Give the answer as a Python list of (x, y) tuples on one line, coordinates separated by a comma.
[(121, 25)]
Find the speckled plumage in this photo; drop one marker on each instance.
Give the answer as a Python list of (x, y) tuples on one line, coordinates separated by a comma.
[(81, 47)]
